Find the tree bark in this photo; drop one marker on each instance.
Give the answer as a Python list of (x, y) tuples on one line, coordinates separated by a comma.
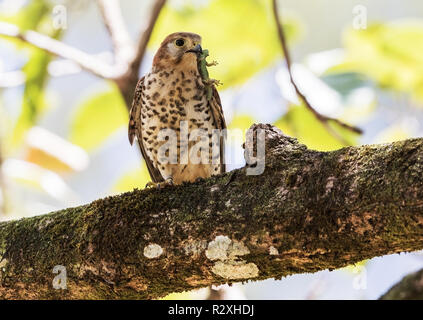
[(409, 288), (308, 211), (3, 204)]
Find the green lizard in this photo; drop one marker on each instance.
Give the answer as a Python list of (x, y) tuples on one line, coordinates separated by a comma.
[(204, 73)]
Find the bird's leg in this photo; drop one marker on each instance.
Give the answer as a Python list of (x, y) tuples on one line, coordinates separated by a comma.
[(167, 182), (160, 185), (199, 179), (152, 184)]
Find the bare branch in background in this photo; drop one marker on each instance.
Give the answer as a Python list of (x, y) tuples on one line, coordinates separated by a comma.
[(146, 34), (115, 25), (408, 288), (60, 49), (325, 120), (127, 56), (12, 79), (128, 81)]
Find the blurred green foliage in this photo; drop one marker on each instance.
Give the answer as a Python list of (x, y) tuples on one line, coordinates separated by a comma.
[(388, 53), (239, 32), (241, 121), (241, 35), (393, 133), (97, 117), (35, 15), (299, 122), (137, 178), (346, 82)]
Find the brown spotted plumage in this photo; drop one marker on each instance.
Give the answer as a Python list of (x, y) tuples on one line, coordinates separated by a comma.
[(171, 95)]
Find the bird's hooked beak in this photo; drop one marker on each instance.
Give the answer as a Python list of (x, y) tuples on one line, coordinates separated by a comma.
[(197, 49)]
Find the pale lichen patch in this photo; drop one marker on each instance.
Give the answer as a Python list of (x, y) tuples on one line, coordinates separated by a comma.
[(90, 248), (282, 193), (81, 270), (223, 248), (3, 263), (218, 248), (229, 266), (237, 248), (196, 281), (329, 184), (214, 188), (195, 247), (44, 223), (273, 251), (235, 270), (153, 251)]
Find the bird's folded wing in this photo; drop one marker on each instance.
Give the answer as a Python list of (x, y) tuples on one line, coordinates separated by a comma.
[(134, 130), (215, 106)]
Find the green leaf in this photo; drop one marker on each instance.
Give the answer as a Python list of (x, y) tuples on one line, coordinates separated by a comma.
[(34, 16), (388, 53), (240, 35), (33, 96), (97, 118), (345, 83), (299, 122)]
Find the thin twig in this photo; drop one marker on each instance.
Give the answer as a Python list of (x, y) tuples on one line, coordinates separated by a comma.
[(56, 68), (123, 46), (128, 57), (10, 79), (146, 34), (322, 118), (60, 49), (128, 80)]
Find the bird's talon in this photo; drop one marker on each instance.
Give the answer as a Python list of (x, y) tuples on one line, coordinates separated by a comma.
[(152, 184), (160, 185), (168, 182)]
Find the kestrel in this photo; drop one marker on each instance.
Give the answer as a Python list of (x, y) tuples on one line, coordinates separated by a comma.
[(173, 95)]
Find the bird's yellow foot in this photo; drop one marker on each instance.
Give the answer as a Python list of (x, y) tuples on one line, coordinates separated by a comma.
[(160, 185), (212, 64)]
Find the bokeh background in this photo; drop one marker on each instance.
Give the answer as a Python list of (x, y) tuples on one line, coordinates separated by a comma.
[(63, 131)]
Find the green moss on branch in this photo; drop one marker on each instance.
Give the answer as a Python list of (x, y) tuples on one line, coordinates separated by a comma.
[(307, 212)]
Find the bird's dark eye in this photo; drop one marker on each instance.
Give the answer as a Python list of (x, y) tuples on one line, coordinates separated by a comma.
[(180, 42)]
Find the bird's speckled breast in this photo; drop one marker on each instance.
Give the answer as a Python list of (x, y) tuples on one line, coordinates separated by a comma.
[(169, 97)]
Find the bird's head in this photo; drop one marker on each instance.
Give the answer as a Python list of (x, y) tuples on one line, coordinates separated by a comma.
[(178, 50)]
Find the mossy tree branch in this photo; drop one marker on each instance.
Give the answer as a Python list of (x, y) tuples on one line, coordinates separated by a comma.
[(409, 288), (308, 211)]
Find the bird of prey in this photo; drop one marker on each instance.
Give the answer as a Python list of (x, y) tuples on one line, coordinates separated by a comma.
[(173, 96)]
